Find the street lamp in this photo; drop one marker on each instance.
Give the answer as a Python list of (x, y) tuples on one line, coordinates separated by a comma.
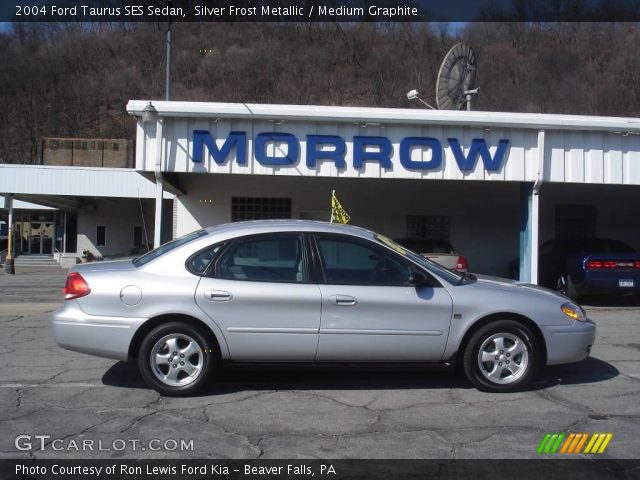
[(414, 95)]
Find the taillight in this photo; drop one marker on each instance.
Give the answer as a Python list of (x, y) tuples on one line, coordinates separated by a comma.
[(461, 264), (75, 287), (600, 264)]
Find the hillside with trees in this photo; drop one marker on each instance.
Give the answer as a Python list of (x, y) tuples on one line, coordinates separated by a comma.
[(74, 80)]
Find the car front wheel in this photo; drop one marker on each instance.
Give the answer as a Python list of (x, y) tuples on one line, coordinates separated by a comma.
[(176, 359), (501, 356)]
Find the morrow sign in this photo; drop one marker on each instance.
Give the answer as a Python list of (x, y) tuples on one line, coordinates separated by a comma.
[(333, 148)]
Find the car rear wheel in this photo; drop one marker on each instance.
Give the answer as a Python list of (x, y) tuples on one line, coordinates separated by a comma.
[(176, 359), (565, 286), (502, 356)]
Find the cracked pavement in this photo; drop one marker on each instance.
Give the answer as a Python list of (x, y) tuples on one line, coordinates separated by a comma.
[(300, 413)]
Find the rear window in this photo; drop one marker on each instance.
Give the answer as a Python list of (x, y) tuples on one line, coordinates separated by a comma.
[(427, 246), (167, 247), (598, 245)]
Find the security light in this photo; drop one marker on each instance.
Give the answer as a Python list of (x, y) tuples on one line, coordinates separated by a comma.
[(413, 95), (149, 114)]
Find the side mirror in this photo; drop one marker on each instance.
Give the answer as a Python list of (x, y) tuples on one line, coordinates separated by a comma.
[(418, 279)]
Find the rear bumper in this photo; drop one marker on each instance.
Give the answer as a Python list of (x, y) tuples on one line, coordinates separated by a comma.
[(568, 344), (108, 337), (600, 283)]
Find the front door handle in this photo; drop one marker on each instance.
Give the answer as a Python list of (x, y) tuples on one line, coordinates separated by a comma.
[(217, 295), (343, 300)]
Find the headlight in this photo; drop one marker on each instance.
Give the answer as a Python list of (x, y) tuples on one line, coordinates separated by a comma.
[(574, 311)]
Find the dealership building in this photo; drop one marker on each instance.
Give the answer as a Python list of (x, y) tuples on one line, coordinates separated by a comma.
[(496, 185)]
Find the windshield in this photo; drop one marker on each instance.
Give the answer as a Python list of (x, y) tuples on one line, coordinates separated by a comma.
[(450, 276), (162, 249)]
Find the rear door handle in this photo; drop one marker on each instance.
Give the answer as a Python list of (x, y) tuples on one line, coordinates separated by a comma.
[(343, 300), (217, 295)]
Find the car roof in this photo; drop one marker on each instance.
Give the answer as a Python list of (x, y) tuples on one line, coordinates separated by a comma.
[(266, 226)]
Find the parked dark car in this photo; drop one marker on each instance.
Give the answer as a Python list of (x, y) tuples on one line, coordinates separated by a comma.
[(578, 267)]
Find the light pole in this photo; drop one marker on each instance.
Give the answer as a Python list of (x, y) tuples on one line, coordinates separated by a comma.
[(167, 83)]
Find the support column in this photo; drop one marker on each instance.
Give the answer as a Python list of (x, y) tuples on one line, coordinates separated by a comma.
[(529, 225), (9, 266), (64, 232)]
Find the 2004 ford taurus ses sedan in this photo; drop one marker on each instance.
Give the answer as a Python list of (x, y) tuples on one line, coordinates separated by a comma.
[(299, 291)]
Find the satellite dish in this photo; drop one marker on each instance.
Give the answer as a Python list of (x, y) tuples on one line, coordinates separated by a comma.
[(456, 77)]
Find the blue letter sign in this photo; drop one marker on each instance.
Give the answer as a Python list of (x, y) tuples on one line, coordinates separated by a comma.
[(336, 155), (360, 154), (382, 154), (261, 143), (235, 139), (405, 153), (478, 147)]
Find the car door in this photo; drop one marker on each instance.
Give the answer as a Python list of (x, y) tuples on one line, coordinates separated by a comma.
[(259, 293), (369, 310)]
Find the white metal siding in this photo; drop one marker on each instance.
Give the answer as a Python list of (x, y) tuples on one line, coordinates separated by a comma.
[(578, 149)]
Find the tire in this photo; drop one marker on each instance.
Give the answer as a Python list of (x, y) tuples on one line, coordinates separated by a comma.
[(565, 286), (509, 372), (182, 370)]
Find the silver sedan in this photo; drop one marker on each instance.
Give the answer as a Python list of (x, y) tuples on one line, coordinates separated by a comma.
[(300, 291)]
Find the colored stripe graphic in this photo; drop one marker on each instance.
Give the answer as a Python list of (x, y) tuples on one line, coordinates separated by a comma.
[(572, 443), (551, 442), (598, 443), (581, 443)]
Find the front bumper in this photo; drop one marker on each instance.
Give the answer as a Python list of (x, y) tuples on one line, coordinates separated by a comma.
[(569, 343), (96, 335)]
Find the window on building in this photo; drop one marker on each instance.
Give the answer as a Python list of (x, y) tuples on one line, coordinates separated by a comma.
[(101, 236), (575, 221), (137, 236), (429, 226), (264, 258), (259, 208)]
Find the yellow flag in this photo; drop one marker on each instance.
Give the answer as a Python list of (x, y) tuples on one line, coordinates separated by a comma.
[(338, 214)]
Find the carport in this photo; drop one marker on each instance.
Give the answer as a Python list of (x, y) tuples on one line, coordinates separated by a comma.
[(85, 203)]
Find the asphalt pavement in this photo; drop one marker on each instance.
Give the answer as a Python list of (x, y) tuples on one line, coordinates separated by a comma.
[(60, 404)]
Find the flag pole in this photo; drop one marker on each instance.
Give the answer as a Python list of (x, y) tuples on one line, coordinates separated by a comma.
[(333, 194)]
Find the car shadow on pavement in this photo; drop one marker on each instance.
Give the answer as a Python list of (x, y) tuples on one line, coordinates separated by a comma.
[(611, 301), (236, 379), (591, 370)]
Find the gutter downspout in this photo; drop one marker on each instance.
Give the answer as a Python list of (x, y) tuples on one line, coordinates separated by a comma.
[(535, 206), (157, 231)]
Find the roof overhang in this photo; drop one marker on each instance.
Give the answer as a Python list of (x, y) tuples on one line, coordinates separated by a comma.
[(539, 121)]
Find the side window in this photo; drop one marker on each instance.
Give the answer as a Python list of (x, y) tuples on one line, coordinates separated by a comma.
[(264, 259), (351, 262), (198, 263)]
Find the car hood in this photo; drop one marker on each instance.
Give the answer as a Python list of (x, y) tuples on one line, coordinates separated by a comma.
[(510, 285), (104, 266)]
